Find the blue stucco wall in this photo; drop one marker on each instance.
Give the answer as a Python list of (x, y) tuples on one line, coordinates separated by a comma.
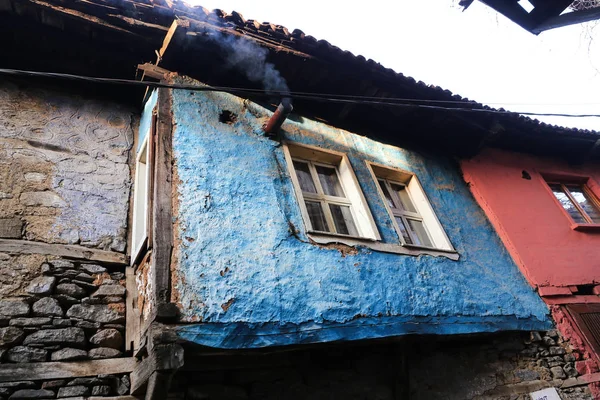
[(242, 279)]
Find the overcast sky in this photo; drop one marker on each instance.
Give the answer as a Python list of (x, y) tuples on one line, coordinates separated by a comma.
[(477, 54)]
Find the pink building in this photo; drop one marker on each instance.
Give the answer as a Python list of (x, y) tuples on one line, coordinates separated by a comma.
[(547, 213)]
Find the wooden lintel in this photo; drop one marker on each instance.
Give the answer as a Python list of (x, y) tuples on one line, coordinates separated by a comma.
[(62, 250), (153, 71), (571, 18), (60, 370), (166, 358)]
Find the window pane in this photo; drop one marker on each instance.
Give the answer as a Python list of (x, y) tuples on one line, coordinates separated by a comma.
[(584, 201), (317, 218), (418, 230), (404, 199), (329, 181), (386, 193), (342, 218), (566, 203), (403, 230), (304, 177)]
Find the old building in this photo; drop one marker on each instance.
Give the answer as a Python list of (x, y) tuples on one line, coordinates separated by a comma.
[(176, 237)]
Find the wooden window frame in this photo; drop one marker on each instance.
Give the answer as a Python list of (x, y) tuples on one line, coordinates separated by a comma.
[(425, 213), (314, 156), (586, 184), (575, 311)]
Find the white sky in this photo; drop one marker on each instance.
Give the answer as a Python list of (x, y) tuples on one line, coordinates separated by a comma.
[(477, 54)]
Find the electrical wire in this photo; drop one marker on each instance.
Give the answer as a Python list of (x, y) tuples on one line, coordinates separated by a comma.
[(323, 97)]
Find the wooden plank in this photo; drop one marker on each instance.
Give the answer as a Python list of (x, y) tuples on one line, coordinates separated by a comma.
[(132, 328), (163, 358), (62, 250), (158, 386), (162, 227), (153, 71), (60, 370)]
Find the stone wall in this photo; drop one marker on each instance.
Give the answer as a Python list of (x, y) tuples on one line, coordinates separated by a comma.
[(71, 311), (64, 172), (504, 366)]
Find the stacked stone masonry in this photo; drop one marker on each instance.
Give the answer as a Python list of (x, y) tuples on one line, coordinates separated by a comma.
[(78, 388)]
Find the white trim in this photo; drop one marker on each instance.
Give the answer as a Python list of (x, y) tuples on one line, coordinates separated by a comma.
[(139, 232)]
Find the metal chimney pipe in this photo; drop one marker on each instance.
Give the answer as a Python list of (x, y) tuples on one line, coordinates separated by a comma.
[(283, 110)]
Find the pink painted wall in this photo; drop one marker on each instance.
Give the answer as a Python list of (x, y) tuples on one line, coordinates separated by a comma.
[(531, 223)]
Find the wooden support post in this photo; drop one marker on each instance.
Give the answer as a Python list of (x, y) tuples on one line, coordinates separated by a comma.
[(165, 359), (162, 208), (158, 385)]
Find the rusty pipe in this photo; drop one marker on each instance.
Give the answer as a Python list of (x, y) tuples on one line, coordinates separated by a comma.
[(281, 113)]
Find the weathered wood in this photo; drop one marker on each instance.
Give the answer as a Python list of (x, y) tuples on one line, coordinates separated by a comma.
[(62, 250), (158, 385), (60, 370), (166, 358), (162, 227), (132, 328)]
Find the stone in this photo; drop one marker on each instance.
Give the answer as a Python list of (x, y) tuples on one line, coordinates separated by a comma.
[(102, 390), (14, 307), (95, 312), (548, 341), (68, 354), (85, 382), (553, 333), (47, 306), (556, 351), (42, 285), (88, 325), (112, 299), (11, 228), (535, 337), (123, 387), (570, 370), (72, 391), (53, 384), (65, 300), (18, 385), (62, 264), (558, 373), (28, 394), (103, 352), (44, 199), (570, 357), (108, 338), (93, 268), (84, 277), (10, 336), (35, 321), (117, 275), (71, 289), (63, 336), (36, 177), (85, 285), (109, 290), (23, 354), (542, 363), (46, 269), (527, 375), (60, 322)]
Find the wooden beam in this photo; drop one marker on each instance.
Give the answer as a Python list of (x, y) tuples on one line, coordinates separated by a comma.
[(162, 207), (575, 17), (165, 358), (170, 34), (60, 370), (158, 385), (153, 71), (62, 250)]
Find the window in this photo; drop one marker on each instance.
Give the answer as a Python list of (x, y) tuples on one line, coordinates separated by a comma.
[(587, 318), (409, 209), (140, 200), (328, 193), (577, 200)]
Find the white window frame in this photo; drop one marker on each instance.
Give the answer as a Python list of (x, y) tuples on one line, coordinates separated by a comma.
[(365, 225), (141, 199), (424, 211)]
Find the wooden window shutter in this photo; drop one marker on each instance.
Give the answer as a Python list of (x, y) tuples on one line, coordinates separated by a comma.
[(587, 318)]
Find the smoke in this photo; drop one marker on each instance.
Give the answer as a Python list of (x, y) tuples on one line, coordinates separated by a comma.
[(250, 59)]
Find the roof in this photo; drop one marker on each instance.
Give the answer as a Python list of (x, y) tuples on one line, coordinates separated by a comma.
[(110, 37)]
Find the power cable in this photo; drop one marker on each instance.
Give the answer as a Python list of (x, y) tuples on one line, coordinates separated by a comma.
[(324, 97)]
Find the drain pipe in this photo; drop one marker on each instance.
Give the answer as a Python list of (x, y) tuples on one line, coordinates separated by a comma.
[(283, 110)]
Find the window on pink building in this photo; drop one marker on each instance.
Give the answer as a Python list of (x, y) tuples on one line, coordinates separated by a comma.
[(578, 201)]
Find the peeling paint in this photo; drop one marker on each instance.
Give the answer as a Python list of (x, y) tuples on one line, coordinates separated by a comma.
[(288, 290)]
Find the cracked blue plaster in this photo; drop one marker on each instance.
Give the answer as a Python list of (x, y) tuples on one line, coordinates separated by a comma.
[(248, 279)]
